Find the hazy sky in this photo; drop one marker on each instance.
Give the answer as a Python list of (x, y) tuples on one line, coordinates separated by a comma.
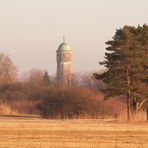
[(31, 30)]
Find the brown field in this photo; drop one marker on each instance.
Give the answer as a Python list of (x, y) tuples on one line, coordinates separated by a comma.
[(29, 132)]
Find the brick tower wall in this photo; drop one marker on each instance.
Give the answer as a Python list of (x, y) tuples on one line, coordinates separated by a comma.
[(64, 60)]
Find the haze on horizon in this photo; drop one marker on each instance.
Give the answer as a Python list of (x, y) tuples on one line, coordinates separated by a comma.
[(31, 30)]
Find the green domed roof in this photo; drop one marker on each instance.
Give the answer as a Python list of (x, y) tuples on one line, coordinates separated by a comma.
[(64, 47)]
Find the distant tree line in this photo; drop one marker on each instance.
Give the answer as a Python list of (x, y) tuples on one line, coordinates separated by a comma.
[(38, 93)]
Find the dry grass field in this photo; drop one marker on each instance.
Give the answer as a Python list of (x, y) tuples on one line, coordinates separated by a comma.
[(28, 132)]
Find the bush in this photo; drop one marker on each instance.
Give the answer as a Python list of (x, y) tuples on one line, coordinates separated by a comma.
[(64, 102)]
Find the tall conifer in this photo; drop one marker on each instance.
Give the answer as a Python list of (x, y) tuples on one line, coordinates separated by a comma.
[(126, 66)]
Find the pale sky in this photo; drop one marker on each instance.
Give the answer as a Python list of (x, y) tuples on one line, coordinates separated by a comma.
[(31, 30)]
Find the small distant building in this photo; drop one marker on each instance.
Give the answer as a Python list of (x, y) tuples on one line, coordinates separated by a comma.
[(64, 60)]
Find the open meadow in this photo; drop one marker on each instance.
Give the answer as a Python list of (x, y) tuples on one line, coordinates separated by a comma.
[(31, 132)]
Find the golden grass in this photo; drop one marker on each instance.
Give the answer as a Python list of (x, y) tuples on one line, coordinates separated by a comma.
[(42, 133)]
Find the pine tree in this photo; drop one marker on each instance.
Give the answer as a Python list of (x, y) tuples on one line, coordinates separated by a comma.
[(125, 62)]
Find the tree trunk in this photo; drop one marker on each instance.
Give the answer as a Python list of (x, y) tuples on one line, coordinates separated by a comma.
[(147, 114), (134, 106), (128, 106), (128, 93)]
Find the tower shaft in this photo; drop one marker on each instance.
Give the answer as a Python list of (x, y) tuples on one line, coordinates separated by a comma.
[(64, 60)]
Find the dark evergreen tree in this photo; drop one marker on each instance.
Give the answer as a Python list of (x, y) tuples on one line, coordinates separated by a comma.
[(125, 62), (46, 79)]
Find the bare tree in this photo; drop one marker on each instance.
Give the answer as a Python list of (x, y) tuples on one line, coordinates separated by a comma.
[(87, 80), (8, 70)]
